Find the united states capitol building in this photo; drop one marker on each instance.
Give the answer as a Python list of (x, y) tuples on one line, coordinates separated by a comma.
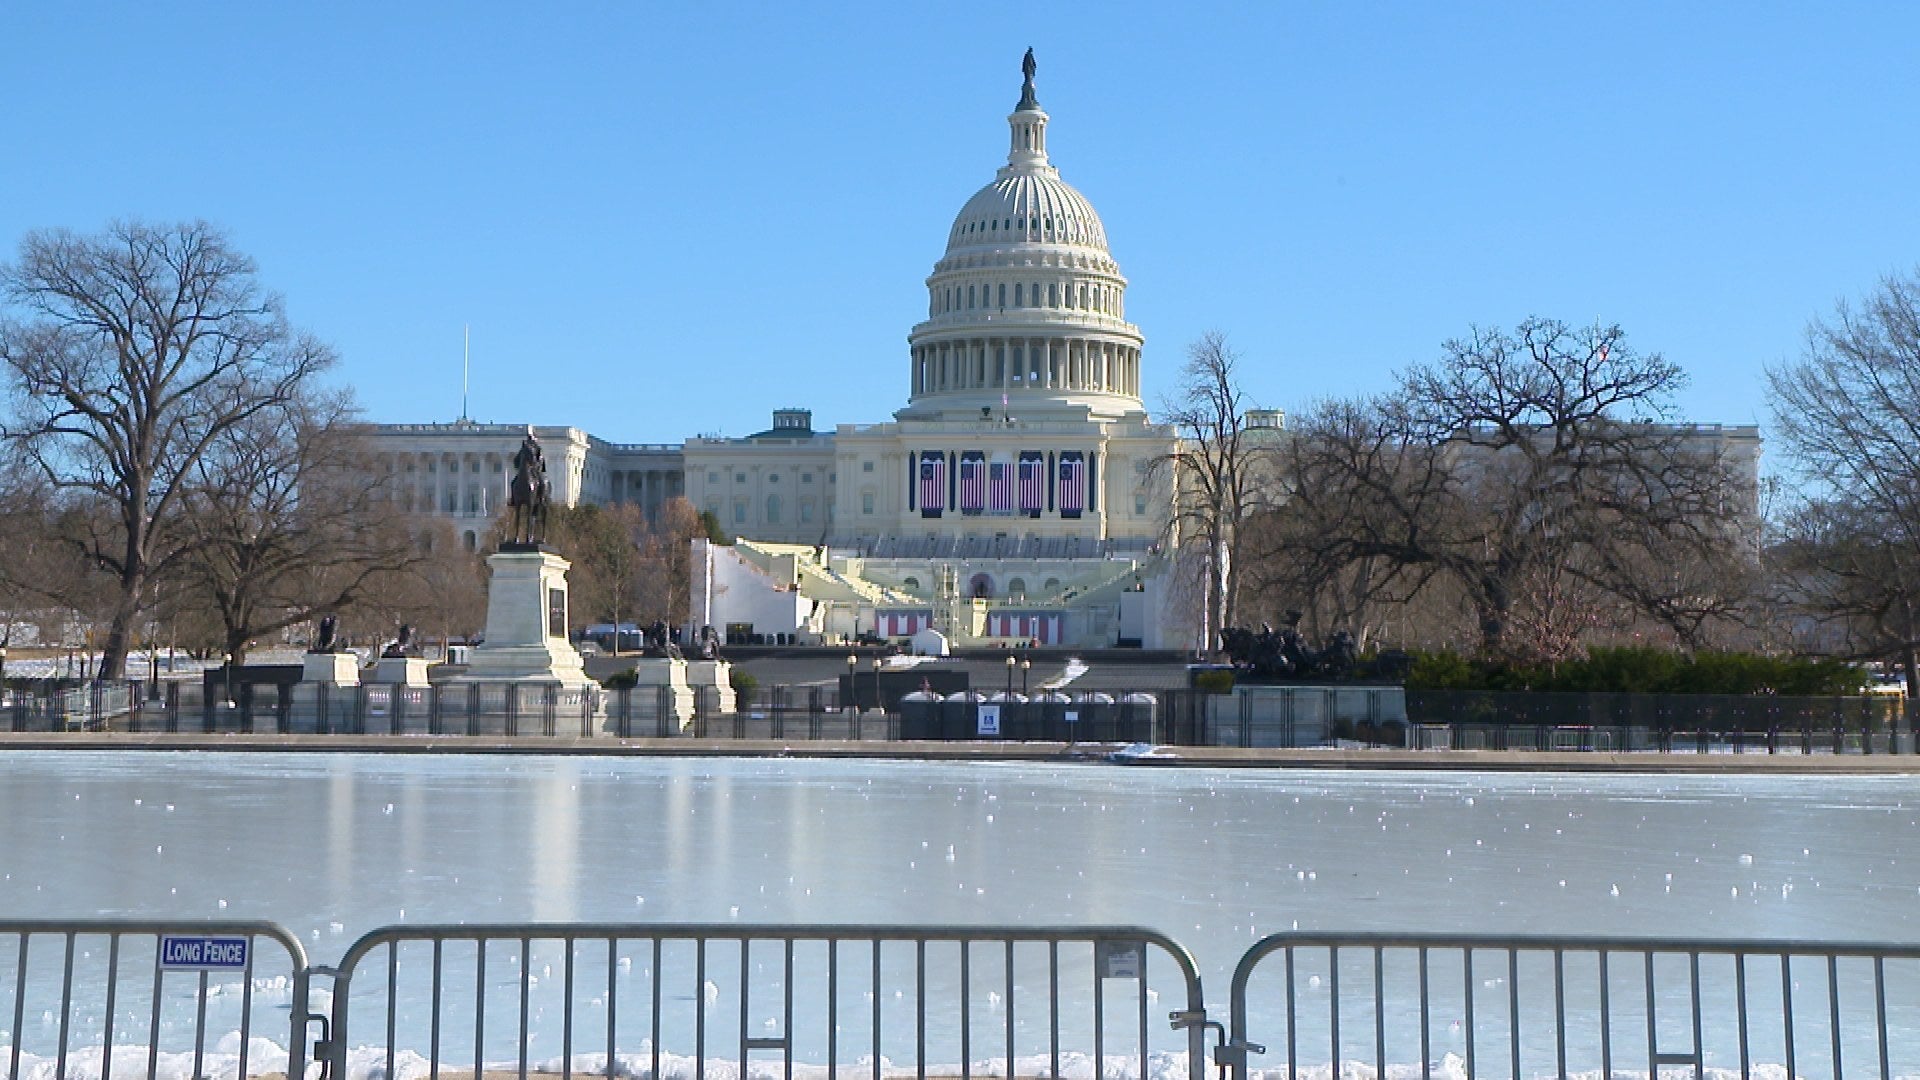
[(1021, 494), (1015, 497)]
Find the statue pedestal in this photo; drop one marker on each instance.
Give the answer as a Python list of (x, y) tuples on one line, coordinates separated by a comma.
[(400, 671), (332, 668), (1291, 714), (526, 623), (327, 695), (712, 683), (662, 699), (526, 654)]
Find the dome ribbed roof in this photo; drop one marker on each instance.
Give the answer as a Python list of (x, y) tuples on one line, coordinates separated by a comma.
[(1034, 207)]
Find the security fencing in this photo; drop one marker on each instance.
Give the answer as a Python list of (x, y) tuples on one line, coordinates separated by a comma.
[(863, 1001), (157, 998), (1687, 723), (114, 998), (803, 712), (1456, 1005), (1434, 720)]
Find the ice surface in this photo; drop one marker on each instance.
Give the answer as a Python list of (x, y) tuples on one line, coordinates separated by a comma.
[(1216, 858)]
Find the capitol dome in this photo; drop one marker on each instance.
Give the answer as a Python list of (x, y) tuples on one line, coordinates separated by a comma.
[(1028, 207), (1026, 312)]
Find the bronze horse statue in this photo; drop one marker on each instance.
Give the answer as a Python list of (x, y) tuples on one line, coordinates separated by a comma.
[(528, 494)]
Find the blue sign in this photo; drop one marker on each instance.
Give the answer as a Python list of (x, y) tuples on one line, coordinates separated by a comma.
[(198, 952)]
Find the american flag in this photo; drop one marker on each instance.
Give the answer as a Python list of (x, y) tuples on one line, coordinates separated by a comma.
[(1072, 484), (933, 483), (1033, 483), (1000, 488), (973, 482)]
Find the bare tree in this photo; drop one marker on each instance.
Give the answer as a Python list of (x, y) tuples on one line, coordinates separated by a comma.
[(1848, 415), (136, 351), (1214, 471), (666, 572), (613, 548), (29, 581), (440, 588), (288, 521), (1346, 544), (1528, 471)]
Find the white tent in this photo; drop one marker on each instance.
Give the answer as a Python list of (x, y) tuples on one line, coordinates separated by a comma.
[(931, 642)]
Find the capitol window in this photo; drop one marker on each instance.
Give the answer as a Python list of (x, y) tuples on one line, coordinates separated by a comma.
[(773, 509), (866, 502), (866, 466), (806, 478)]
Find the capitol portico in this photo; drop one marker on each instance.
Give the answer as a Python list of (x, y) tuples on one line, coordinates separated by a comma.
[(1019, 494)]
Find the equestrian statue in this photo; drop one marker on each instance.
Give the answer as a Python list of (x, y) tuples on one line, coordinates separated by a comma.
[(528, 495)]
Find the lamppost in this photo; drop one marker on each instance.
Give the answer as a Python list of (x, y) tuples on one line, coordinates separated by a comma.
[(853, 691), (1025, 666), (876, 682), (1011, 664)]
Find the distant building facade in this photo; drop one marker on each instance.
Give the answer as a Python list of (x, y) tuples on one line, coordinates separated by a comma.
[(1021, 494)]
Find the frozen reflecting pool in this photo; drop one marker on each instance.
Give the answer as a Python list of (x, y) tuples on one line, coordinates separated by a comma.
[(334, 845)]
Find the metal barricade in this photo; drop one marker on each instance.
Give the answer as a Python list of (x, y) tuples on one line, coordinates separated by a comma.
[(637, 999), (84, 993), (1470, 1005)]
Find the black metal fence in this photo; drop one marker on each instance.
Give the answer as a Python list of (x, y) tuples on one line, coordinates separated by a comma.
[(1674, 723), (1702, 723)]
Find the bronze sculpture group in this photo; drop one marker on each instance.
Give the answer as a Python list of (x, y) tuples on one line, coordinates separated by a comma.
[(1284, 655)]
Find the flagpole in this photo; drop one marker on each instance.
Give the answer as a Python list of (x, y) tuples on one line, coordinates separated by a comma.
[(466, 364)]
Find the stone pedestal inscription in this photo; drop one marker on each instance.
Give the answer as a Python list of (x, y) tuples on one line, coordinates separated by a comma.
[(526, 623)]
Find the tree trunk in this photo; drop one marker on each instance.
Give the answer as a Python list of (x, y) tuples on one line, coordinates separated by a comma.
[(236, 651), (1491, 606), (113, 651)]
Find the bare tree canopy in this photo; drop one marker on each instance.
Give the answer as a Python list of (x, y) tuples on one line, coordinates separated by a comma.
[(130, 353), (287, 521), (1214, 471), (1847, 414), (1525, 473)]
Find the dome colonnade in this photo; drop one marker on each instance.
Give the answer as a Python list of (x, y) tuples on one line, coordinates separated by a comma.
[(1026, 304)]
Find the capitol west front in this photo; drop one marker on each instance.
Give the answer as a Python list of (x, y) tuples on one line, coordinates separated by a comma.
[(1022, 493)]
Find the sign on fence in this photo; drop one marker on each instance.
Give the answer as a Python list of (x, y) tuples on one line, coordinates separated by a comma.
[(989, 721), (195, 952), (1120, 959)]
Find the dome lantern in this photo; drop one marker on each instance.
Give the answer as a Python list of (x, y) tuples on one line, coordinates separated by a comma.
[(1029, 124)]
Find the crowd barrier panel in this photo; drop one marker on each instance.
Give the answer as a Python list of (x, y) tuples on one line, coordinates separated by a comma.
[(164, 993), (1480, 1005), (680, 1000)]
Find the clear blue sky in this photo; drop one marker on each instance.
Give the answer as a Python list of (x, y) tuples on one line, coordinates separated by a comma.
[(662, 220)]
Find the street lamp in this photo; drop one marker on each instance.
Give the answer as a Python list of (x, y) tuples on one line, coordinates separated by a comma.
[(853, 693), (1011, 664), (1025, 666), (876, 682)]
